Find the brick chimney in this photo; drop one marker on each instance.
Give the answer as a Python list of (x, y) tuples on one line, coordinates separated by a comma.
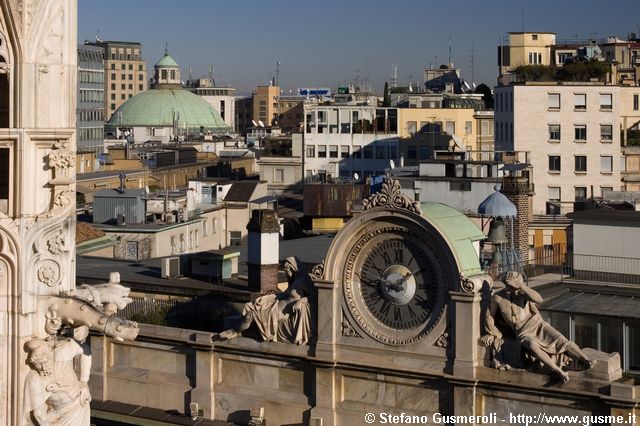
[(516, 189), (263, 250)]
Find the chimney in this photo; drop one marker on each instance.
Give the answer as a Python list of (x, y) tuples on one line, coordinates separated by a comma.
[(263, 250), (122, 177), (516, 189)]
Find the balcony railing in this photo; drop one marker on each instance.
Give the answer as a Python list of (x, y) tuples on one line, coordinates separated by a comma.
[(603, 268)]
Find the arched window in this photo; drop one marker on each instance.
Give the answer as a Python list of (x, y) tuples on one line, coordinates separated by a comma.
[(4, 83)]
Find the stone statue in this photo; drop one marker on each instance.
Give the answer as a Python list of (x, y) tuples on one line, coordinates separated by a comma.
[(111, 296), (516, 332), (54, 393), (283, 316)]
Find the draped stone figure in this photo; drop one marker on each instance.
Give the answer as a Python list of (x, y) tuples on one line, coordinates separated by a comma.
[(282, 317), (517, 336), (54, 393)]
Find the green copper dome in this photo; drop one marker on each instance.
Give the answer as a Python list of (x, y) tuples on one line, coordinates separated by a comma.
[(163, 107), (167, 62)]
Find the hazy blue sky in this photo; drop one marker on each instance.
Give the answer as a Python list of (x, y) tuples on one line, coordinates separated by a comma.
[(330, 42)]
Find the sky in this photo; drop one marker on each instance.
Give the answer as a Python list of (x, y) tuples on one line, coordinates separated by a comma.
[(330, 43)]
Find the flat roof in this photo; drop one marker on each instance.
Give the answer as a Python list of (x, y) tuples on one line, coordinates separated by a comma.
[(610, 305)]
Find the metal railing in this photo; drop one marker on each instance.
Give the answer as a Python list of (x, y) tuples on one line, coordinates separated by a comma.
[(625, 270)]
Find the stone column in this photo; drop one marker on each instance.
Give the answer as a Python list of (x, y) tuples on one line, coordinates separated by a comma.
[(326, 392), (205, 376), (263, 250), (466, 311), (100, 351)]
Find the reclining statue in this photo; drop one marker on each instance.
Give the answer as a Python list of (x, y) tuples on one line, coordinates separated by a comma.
[(516, 332), (282, 317)]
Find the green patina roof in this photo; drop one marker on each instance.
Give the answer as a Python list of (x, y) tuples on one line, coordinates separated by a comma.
[(460, 232), (166, 62), (156, 107)]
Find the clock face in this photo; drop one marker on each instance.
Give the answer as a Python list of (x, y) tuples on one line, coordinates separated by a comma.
[(394, 284), (396, 281)]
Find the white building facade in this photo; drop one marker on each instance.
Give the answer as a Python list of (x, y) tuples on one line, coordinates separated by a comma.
[(573, 134), (341, 140)]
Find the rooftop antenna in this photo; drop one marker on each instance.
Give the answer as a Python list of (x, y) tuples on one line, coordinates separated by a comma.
[(166, 48), (189, 72), (394, 78), (98, 35), (449, 63), (472, 64), (278, 74), (522, 8)]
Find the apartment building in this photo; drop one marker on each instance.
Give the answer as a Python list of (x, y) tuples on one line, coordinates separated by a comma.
[(524, 48), (90, 107), (222, 99), (342, 140), (125, 73), (630, 137), (572, 132), (265, 104)]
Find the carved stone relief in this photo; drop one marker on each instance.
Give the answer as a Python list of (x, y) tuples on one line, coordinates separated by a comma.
[(391, 196), (317, 272), (49, 272)]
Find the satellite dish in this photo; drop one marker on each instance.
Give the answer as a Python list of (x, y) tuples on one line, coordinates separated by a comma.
[(356, 177), (392, 164), (261, 123), (254, 123)]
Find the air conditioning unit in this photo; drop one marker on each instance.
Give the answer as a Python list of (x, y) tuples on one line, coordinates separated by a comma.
[(170, 267)]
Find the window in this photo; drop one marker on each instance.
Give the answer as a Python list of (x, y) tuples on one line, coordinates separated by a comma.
[(322, 151), (424, 152), (412, 153), (606, 132), (278, 175), (411, 127), (140, 77), (130, 67), (605, 189), (554, 164), (633, 359), (450, 127), (606, 102), (122, 66), (606, 164), (581, 133), (636, 102), (554, 132), (140, 87), (554, 100), (113, 96), (113, 107), (586, 329), (391, 152), (554, 193), (333, 151), (113, 76), (123, 96), (580, 101), (123, 76), (581, 193), (235, 237), (581, 163), (368, 152), (344, 151), (468, 128), (123, 86), (5, 180), (311, 151), (534, 36)]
